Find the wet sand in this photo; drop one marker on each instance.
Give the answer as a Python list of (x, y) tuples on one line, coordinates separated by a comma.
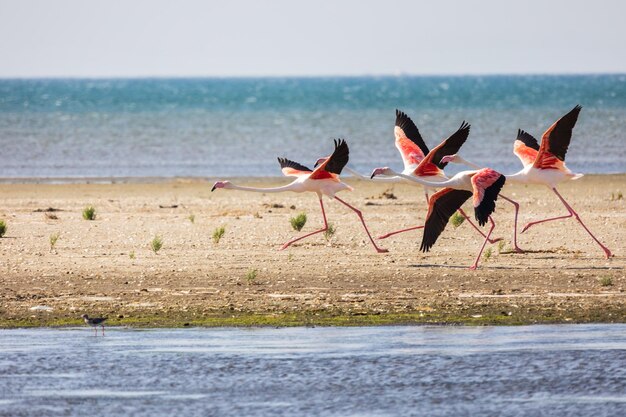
[(106, 266)]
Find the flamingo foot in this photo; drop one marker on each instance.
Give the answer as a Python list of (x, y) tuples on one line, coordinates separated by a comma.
[(473, 267), (381, 250), (526, 227), (607, 252), (496, 240), (385, 236), (517, 249)]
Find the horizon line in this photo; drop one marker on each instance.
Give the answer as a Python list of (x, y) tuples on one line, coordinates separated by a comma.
[(294, 76)]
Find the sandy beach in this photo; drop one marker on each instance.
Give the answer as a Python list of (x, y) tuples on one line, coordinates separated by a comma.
[(106, 266)]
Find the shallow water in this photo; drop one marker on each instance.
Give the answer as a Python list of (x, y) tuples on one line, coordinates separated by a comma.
[(237, 127), (573, 370)]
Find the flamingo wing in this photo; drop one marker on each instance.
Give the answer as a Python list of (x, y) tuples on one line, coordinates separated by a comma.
[(486, 184), (431, 164), (525, 148), (292, 169), (441, 206), (332, 166), (555, 141), (409, 140)]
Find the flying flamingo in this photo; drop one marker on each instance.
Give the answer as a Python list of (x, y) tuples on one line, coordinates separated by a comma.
[(483, 184), (324, 180), (413, 150), (545, 164)]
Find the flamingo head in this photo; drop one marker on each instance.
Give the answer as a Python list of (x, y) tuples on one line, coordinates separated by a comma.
[(381, 171), (220, 184), (320, 161), (84, 316), (449, 158)]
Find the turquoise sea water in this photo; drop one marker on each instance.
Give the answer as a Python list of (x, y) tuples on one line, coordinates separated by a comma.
[(237, 127)]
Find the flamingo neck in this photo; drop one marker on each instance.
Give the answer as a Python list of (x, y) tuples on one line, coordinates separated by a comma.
[(460, 160), (419, 180), (288, 187)]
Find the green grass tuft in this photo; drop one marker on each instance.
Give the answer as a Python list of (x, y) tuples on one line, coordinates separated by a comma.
[(457, 219), (3, 228), (488, 254), (89, 213), (606, 281), (298, 222), (156, 244), (218, 234), (131, 255), (53, 240), (192, 218), (251, 275), (330, 232)]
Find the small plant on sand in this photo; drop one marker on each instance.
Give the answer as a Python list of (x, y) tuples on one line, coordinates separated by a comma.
[(156, 244), (192, 218), (131, 255), (3, 228), (488, 254), (298, 222), (329, 232), (457, 219), (89, 213), (251, 275), (606, 281), (618, 196), (218, 234), (53, 240), (501, 246)]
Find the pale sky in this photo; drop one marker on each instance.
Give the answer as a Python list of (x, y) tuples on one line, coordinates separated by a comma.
[(125, 38)]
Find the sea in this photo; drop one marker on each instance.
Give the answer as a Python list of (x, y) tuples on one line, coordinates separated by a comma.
[(221, 127), (554, 370)]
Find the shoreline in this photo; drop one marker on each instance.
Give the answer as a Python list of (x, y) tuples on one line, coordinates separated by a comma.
[(106, 267)]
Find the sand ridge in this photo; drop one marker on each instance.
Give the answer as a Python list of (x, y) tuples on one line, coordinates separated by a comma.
[(106, 266)]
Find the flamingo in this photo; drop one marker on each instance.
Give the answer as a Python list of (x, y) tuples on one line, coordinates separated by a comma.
[(545, 164), (324, 180), (413, 150), (483, 185)]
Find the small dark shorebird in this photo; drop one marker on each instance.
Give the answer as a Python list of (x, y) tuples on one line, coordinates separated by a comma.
[(95, 322)]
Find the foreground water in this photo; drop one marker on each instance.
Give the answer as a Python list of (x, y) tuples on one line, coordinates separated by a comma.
[(573, 370), (237, 127)]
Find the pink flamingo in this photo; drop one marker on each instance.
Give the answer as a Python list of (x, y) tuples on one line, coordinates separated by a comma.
[(324, 180), (484, 185), (413, 150), (545, 164)]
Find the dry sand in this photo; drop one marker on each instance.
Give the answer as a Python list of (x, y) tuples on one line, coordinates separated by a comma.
[(106, 266)]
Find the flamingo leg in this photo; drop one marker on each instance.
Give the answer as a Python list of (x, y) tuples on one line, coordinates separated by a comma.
[(358, 213), (410, 228), (96, 331), (492, 241), (606, 250), (572, 212), (286, 245), (493, 225), (102, 330), (400, 231), (516, 205)]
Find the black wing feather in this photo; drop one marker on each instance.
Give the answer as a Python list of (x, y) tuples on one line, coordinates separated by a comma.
[(488, 205), (452, 144), (527, 139), (561, 134), (286, 163), (442, 210), (339, 158), (411, 131)]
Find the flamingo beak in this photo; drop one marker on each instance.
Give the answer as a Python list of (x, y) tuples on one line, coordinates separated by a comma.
[(214, 187), (374, 173)]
